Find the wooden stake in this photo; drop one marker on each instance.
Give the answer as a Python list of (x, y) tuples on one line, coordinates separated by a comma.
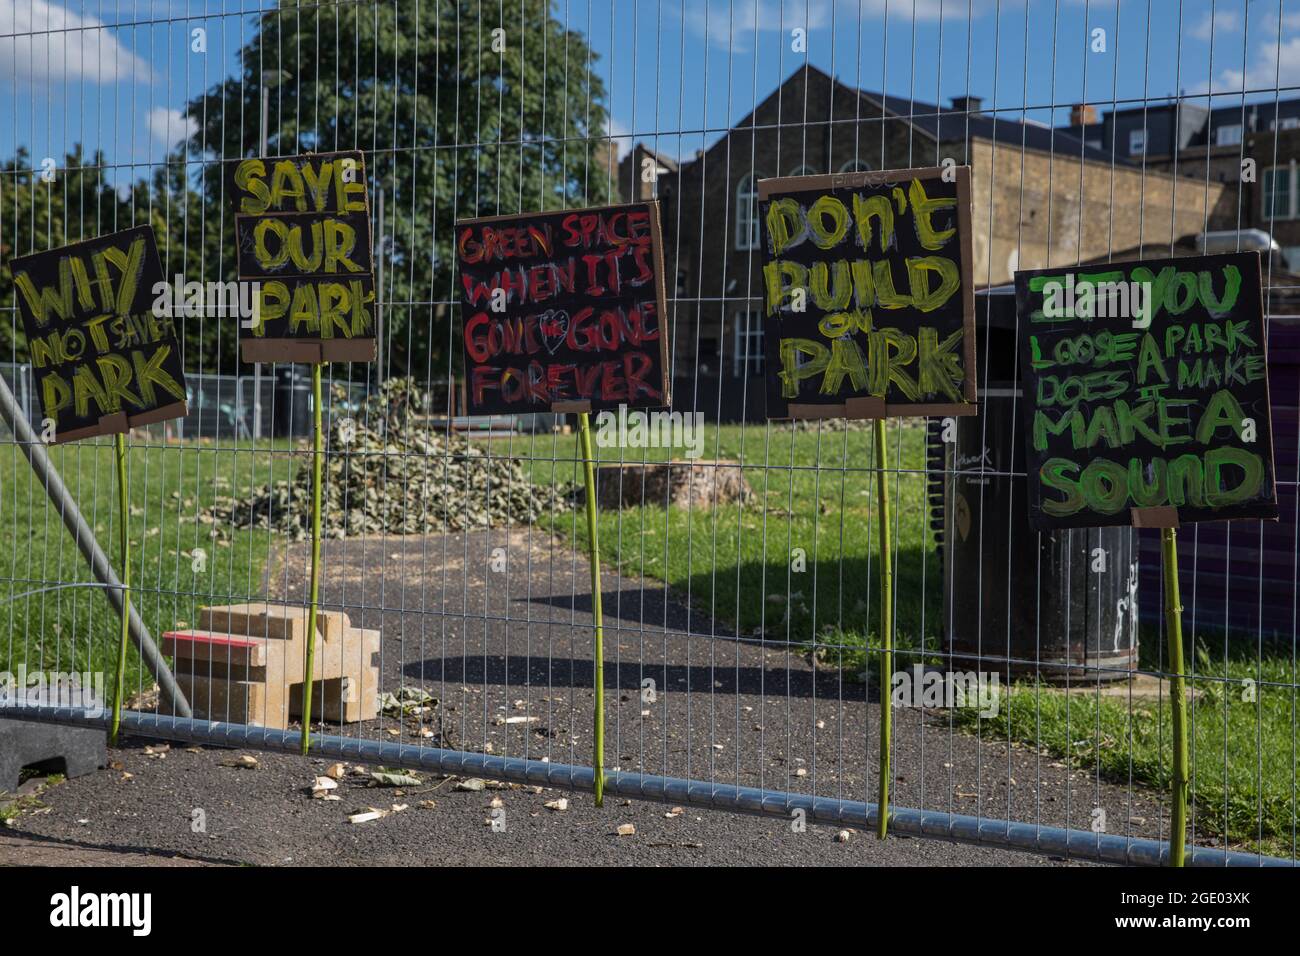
[(1178, 693), (886, 632), (598, 652), (317, 449), (124, 544)]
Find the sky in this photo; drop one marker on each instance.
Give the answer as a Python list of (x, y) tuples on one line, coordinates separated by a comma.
[(115, 74)]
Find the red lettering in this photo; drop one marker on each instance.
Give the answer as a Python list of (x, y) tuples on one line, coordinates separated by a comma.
[(635, 367), (482, 377), (612, 385), (476, 345), (469, 249)]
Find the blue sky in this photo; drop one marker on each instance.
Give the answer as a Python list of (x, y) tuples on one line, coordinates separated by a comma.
[(116, 73)]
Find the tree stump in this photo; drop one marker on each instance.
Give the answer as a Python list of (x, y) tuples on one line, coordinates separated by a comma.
[(696, 483)]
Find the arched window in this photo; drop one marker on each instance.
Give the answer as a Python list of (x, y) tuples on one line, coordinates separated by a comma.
[(855, 166), (804, 170), (747, 213)]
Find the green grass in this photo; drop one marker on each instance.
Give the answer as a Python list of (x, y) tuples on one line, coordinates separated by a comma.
[(740, 564), (1243, 750), (74, 628)]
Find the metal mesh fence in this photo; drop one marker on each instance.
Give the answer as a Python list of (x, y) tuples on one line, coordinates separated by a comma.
[(740, 585)]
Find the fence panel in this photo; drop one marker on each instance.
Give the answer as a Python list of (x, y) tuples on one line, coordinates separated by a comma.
[(740, 589)]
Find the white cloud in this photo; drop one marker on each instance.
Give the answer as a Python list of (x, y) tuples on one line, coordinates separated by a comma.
[(170, 126), (1221, 21), (1274, 64), (62, 45), (725, 21), (620, 136)]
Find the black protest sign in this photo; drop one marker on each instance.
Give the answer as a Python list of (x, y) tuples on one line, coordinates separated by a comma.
[(564, 311), (302, 228), (1145, 388), (868, 302), (104, 359)]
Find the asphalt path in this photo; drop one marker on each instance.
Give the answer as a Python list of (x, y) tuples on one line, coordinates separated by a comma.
[(505, 650)]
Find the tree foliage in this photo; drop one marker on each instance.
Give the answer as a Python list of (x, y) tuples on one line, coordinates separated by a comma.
[(451, 128)]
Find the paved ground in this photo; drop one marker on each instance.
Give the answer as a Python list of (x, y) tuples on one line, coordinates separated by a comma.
[(495, 645)]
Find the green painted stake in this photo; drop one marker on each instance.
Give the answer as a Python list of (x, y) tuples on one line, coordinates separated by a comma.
[(886, 633), (598, 652), (317, 449), (124, 544), (1178, 698)]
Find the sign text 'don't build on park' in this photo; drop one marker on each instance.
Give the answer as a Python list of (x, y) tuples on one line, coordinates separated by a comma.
[(105, 361), (868, 300), (564, 310), (302, 229), (1146, 388)]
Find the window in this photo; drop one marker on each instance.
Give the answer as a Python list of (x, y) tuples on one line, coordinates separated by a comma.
[(1286, 122), (747, 354), (747, 213), (1228, 135), (1137, 141), (1292, 256), (804, 170), (1279, 193), (855, 166)]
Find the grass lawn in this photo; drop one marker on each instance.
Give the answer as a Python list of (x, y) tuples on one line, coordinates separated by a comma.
[(74, 628), (798, 561), (1243, 743)]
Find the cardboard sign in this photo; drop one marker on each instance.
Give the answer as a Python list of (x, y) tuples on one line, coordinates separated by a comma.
[(1146, 393), (104, 361), (868, 303), (302, 227), (564, 311)]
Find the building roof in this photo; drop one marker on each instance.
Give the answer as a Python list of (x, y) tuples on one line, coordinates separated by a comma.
[(945, 124)]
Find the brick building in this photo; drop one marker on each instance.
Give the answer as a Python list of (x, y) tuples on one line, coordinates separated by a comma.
[(1041, 197), (1201, 143)]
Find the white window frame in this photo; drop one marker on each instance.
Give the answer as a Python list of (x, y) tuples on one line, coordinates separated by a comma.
[(1234, 139), (1137, 142), (1292, 210), (748, 325), (1286, 122), (747, 226)]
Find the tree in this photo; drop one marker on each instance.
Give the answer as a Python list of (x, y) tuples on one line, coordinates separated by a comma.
[(46, 206), (461, 110)]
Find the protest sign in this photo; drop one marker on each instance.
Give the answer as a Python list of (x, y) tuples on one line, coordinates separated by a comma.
[(868, 300), (104, 359), (564, 311), (1146, 393), (302, 228)]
